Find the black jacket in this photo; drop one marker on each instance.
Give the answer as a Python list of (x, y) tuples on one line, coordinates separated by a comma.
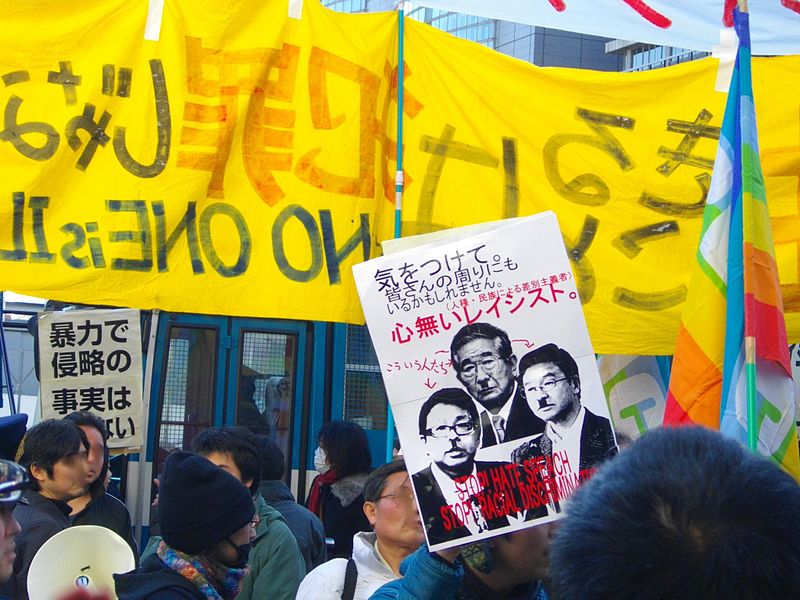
[(342, 513), (40, 519), (106, 511), (155, 581), (597, 445), (521, 422), (305, 525), (442, 523)]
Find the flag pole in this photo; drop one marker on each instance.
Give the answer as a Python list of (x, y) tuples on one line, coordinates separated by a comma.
[(398, 182), (750, 372), (398, 176), (750, 358)]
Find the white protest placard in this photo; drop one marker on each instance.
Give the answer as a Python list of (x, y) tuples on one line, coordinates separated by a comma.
[(92, 360), (490, 374)]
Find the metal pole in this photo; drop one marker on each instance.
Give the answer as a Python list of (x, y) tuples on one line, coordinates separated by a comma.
[(750, 356), (5, 370), (750, 374), (398, 183)]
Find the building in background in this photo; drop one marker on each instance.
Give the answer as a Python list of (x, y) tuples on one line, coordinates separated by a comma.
[(538, 45), (637, 56), (17, 310)]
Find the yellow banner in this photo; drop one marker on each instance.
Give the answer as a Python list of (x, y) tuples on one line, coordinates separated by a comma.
[(244, 162), (624, 160), (232, 167)]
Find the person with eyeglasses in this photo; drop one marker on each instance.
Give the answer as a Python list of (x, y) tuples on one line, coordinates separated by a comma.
[(575, 440), (458, 495), (511, 566), (485, 365), (390, 507)]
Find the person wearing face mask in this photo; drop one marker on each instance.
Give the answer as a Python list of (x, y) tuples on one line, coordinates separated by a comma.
[(206, 517), (276, 566), (276, 563), (336, 496)]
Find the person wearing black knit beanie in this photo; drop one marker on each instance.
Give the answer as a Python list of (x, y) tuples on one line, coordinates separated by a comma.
[(206, 519)]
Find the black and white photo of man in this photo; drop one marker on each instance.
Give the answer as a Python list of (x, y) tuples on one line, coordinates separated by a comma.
[(579, 439), (485, 365), (458, 495)]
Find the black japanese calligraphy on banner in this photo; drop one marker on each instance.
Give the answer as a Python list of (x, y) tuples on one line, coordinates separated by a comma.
[(92, 360)]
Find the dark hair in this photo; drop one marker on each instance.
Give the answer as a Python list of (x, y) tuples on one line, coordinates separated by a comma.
[(452, 396), (550, 353), (376, 482), (346, 447), (272, 458), (682, 513), (87, 419), (240, 443), (48, 442), (83, 418), (480, 331)]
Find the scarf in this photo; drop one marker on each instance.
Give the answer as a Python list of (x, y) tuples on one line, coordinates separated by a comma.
[(212, 578), (314, 503)]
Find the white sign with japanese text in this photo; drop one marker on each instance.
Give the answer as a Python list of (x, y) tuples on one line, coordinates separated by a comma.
[(92, 360), (490, 374)]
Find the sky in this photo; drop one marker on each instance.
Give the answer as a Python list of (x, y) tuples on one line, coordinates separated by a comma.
[(12, 297)]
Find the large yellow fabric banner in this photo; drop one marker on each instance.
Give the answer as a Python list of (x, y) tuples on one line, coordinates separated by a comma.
[(244, 162)]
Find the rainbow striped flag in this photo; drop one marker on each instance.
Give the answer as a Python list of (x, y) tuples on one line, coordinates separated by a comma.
[(732, 332)]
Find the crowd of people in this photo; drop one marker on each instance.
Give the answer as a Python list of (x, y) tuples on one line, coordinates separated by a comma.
[(682, 513)]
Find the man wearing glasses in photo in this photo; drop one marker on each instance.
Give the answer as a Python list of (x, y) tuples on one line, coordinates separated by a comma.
[(485, 365), (459, 496), (580, 439)]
